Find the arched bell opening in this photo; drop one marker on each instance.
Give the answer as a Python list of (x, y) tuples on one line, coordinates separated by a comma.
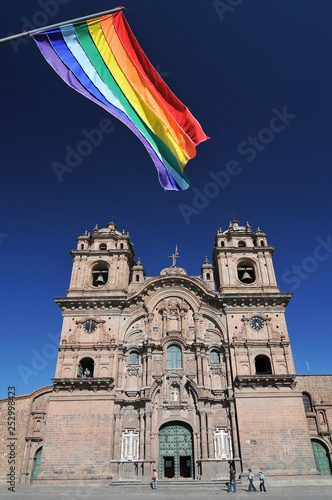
[(100, 274), (86, 368), (263, 365), (246, 272)]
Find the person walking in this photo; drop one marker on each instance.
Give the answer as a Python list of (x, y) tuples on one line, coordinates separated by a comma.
[(251, 480), (154, 480), (261, 481), (232, 481)]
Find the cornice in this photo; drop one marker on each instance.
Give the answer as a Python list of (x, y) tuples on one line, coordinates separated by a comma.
[(260, 299), (254, 381), (93, 383)]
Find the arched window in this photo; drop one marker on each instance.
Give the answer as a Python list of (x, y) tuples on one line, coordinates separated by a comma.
[(214, 357), (100, 274), (207, 276), (133, 358), (82, 246), (246, 272), (263, 365), (121, 246), (307, 402), (102, 246), (241, 244), (86, 368), (137, 277), (262, 243), (174, 357), (222, 243)]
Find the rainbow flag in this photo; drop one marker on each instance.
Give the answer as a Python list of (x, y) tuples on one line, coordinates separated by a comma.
[(101, 59)]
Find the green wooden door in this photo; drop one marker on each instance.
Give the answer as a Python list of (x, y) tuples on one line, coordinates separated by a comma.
[(36, 464), (176, 458), (321, 458)]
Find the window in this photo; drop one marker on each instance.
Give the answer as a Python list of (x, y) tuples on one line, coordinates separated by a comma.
[(174, 357), (207, 276), (102, 246), (262, 243), (263, 365), (214, 357), (133, 358), (137, 277), (241, 244), (307, 402)]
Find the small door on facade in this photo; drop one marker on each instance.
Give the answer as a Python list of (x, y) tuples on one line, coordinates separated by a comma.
[(169, 467), (36, 464), (321, 458), (185, 466)]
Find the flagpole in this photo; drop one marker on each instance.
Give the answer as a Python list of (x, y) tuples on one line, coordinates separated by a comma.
[(84, 18)]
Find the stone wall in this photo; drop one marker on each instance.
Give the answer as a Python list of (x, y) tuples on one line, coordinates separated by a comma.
[(24, 406), (273, 432), (78, 437)]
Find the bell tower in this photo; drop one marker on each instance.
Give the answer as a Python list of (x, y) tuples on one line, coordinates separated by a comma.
[(263, 374), (102, 263), (243, 260)]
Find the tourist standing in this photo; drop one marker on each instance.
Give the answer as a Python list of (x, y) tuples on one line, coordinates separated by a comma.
[(232, 481), (154, 479), (261, 481), (251, 480)]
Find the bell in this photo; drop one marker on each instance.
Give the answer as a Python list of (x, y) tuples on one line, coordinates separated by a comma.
[(100, 279), (246, 278)]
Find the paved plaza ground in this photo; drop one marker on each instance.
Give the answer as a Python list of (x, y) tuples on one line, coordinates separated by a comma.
[(181, 492)]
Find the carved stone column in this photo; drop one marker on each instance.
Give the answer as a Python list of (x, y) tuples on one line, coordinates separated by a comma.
[(96, 366), (205, 369), (141, 433), (116, 447), (148, 415), (202, 414), (196, 322), (120, 370), (199, 366), (148, 368), (236, 449), (228, 368), (210, 434)]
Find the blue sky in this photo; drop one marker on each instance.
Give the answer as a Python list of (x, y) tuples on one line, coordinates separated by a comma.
[(236, 69)]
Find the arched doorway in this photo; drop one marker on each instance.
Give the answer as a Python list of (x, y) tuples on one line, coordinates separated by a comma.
[(321, 457), (176, 455), (36, 464)]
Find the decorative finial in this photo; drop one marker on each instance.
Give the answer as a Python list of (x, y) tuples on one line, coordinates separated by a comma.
[(96, 228)]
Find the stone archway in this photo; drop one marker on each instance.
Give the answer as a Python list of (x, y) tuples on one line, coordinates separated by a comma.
[(176, 452)]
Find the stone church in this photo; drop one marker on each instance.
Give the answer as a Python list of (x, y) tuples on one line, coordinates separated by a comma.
[(186, 374)]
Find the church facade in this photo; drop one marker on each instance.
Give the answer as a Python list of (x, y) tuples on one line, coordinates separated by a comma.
[(185, 374)]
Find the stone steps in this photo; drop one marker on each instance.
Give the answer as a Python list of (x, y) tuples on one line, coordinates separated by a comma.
[(177, 483)]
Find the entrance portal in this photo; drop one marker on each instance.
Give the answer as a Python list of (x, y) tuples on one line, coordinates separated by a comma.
[(321, 458), (176, 457)]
